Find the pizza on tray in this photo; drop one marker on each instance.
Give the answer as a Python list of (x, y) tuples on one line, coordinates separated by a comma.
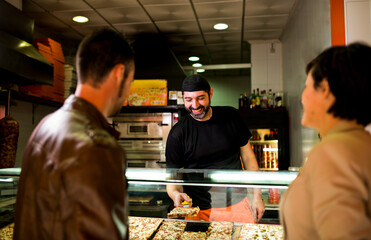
[(220, 227), (261, 231), (182, 212), (220, 231), (170, 230), (142, 228), (6, 233), (219, 236), (187, 235)]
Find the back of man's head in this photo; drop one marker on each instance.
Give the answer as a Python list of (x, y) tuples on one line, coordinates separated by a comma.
[(99, 52)]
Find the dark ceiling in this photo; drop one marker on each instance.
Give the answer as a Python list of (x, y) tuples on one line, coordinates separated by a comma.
[(186, 26)]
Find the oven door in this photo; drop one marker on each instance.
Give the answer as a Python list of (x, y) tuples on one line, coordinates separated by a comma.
[(144, 153)]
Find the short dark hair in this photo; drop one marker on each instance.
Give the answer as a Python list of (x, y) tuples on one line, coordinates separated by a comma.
[(348, 72), (99, 52)]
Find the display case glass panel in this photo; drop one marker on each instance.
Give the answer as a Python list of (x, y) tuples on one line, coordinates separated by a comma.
[(230, 194)]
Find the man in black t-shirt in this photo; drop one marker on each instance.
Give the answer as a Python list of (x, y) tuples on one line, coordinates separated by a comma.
[(208, 138)]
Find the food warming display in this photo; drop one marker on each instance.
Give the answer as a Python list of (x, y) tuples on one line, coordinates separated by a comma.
[(149, 203), (228, 190), (270, 137), (142, 228), (264, 143)]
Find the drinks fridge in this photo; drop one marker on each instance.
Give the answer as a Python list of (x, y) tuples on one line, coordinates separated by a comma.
[(269, 141)]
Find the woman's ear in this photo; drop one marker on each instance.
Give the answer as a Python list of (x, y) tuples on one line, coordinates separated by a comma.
[(326, 92), (325, 87)]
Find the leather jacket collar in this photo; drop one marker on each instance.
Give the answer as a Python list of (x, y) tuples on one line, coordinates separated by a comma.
[(86, 108)]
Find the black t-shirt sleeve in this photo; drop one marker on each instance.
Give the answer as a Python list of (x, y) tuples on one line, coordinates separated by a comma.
[(174, 150)]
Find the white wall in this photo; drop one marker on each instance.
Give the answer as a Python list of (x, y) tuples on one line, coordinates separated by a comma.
[(358, 21), (306, 35), (266, 65), (228, 89)]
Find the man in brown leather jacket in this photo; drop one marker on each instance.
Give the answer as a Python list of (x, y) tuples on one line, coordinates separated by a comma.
[(72, 184)]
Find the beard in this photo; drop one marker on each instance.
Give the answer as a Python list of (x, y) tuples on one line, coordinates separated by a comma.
[(205, 110)]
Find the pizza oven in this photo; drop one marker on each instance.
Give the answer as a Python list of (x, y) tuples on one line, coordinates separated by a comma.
[(143, 136)]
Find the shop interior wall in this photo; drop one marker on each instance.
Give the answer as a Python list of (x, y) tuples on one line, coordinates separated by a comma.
[(28, 116), (266, 61), (358, 21), (226, 93), (307, 34), (227, 89)]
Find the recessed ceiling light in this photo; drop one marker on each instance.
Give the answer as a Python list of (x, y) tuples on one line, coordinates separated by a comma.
[(200, 70), (220, 26), (80, 19), (193, 58), (197, 65)]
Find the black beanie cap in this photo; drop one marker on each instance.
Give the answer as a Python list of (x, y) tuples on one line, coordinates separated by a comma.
[(194, 83)]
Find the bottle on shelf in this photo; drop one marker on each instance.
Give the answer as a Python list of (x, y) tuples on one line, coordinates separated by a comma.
[(245, 100), (274, 160), (257, 99), (270, 156), (252, 100), (265, 158), (270, 99), (241, 102), (264, 99), (279, 99)]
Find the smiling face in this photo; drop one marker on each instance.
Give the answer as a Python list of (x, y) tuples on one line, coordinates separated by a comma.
[(198, 104)]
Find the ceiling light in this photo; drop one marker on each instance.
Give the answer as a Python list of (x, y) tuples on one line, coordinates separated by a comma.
[(193, 58), (80, 19), (200, 70), (220, 26), (197, 65)]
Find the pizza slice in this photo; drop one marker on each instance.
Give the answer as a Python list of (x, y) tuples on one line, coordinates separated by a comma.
[(182, 212), (261, 231), (219, 236), (170, 230), (142, 228), (220, 227), (187, 235)]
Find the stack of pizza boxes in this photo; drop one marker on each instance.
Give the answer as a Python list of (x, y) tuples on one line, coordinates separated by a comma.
[(70, 80), (52, 51)]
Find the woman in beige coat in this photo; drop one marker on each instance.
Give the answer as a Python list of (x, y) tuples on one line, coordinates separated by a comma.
[(331, 197)]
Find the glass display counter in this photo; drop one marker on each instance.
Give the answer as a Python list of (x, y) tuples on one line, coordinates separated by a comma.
[(229, 193)]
